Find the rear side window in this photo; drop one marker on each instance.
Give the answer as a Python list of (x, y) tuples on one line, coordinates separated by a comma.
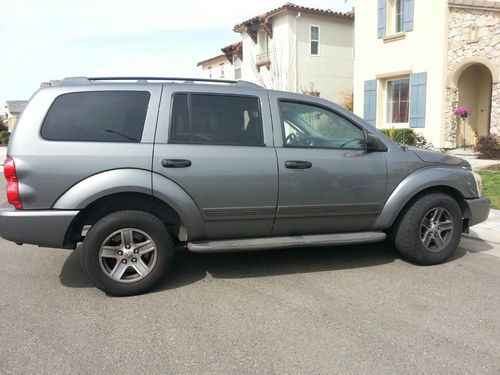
[(102, 116), (216, 119)]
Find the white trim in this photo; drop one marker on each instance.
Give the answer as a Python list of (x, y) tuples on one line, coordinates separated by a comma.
[(310, 40), (386, 101)]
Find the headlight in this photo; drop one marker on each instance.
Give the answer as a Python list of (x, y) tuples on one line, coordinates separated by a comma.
[(479, 183)]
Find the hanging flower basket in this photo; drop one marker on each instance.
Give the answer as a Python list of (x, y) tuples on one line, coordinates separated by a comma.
[(464, 113)]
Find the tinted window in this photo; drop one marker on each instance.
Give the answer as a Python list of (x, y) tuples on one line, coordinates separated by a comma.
[(307, 125), (216, 119), (110, 116), (180, 119)]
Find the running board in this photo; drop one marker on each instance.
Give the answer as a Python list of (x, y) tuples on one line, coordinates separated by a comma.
[(264, 243)]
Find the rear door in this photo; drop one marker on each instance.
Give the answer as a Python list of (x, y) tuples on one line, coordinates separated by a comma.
[(215, 142)]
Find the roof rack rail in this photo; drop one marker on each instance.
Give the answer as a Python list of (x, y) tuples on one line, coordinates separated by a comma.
[(88, 80)]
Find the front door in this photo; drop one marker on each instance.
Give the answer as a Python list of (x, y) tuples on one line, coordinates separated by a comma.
[(216, 144), (328, 182)]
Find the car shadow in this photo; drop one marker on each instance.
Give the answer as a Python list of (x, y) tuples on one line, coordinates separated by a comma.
[(190, 268)]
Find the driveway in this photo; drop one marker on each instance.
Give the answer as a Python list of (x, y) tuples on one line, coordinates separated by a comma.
[(353, 309)]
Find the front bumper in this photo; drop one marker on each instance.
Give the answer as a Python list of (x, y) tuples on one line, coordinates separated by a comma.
[(477, 211), (43, 228)]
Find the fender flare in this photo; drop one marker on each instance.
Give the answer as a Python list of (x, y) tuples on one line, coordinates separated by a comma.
[(131, 180), (458, 179)]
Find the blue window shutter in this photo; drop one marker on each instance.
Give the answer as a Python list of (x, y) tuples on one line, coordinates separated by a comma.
[(408, 10), (418, 92), (382, 18), (370, 106)]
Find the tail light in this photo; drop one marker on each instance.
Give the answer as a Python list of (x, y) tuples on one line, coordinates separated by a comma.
[(9, 170)]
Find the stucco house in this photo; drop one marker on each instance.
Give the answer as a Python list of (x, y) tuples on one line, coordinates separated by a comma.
[(13, 109), (418, 60), (217, 67), (296, 48)]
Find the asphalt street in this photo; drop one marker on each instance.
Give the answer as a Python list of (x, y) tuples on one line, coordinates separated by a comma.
[(352, 309)]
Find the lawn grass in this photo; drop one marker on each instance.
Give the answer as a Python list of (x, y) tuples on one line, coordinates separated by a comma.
[(491, 187)]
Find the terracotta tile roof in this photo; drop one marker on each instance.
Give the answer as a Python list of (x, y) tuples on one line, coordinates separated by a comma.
[(491, 4), (291, 7), (232, 47), (212, 60)]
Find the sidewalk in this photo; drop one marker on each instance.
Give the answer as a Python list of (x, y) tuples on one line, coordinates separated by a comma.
[(3, 154), (471, 157), (488, 230)]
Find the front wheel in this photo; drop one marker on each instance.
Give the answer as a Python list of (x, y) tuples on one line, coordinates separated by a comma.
[(127, 252), (430, 230)]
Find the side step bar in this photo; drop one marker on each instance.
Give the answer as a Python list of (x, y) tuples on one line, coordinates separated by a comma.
[(263, 243)]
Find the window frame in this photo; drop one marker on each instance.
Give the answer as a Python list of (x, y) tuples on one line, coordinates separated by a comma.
[(313, 104), (237, 68), (311, 40), (386, 101), (190, 117), (95, 141), (399, 3), (222, 72)]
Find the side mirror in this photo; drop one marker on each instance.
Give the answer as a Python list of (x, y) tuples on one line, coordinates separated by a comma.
[(373, 144)]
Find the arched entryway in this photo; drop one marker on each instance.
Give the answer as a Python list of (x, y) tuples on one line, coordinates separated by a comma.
[(474, 92)]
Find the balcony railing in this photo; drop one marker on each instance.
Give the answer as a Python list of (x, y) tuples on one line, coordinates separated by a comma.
[(262, 58)]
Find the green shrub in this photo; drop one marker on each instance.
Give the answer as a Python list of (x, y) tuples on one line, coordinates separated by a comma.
[(4, 137), (402, 136), (3, 124), (487, 147)]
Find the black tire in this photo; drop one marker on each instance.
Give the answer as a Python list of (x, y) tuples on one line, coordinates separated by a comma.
[(99, 233), (408, 230)]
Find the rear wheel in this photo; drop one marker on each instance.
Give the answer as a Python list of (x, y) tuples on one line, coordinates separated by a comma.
[(430, 230), (127, 252)]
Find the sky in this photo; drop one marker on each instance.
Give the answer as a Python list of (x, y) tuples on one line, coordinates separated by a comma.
[(53, 39)]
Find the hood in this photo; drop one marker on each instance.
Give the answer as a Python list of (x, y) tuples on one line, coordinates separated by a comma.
[(436, 157)]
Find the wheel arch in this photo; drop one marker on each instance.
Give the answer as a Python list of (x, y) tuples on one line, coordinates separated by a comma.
[(455, 182), (138, 189), (108, 204)]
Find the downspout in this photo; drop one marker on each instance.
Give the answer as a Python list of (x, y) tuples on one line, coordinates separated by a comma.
[(296, 55)]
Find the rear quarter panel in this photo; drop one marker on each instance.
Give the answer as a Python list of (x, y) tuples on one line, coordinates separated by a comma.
[(47, 169)]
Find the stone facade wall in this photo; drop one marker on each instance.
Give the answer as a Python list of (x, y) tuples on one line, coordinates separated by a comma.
[(473, 32)]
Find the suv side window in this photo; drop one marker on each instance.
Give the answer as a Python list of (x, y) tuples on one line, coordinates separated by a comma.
[(102, 116), (216, 119), (308, 125)]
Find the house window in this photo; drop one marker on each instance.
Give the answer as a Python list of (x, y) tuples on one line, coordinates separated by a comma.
[(398, 15), (237, 67), (398, 100), (314, 48), (209, 72), (262, 51), (221, 70)]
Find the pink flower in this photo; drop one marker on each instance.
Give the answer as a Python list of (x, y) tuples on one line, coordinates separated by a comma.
[(463, 112)]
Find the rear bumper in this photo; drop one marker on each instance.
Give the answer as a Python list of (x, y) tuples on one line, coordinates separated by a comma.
[(478, 210), (42, 228)]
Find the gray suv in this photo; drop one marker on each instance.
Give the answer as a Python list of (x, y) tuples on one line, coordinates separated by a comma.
[(133, 168)]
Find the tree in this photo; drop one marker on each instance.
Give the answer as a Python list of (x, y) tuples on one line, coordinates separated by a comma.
[(271, 69)]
